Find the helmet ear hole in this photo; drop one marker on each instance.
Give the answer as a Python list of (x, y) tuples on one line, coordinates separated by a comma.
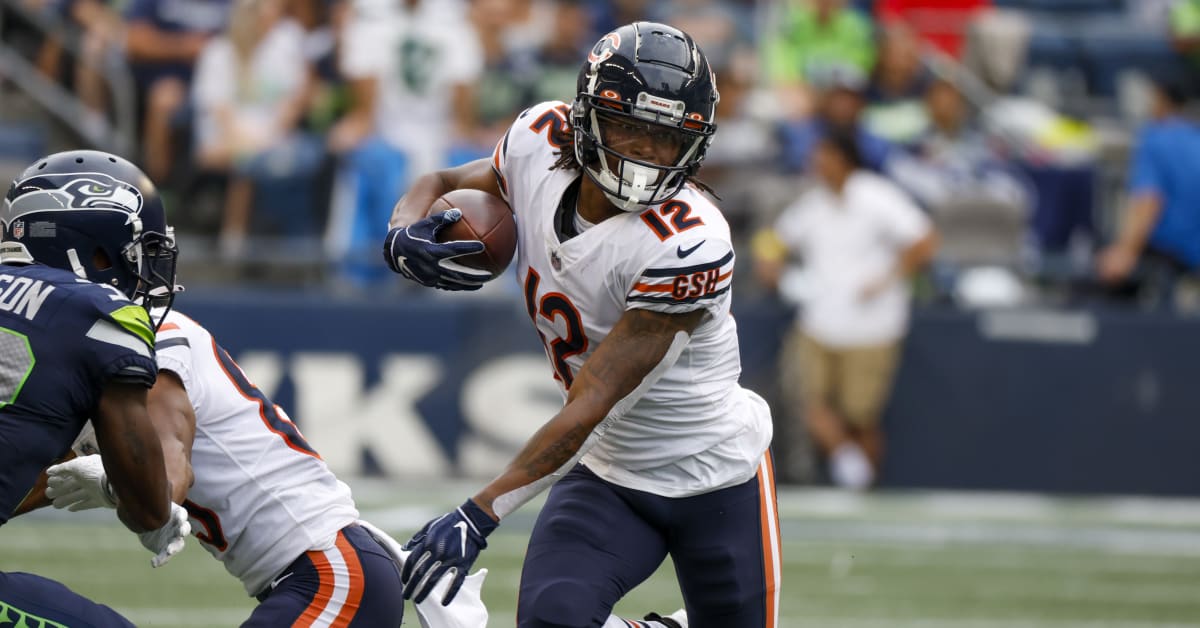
[(100, 259)]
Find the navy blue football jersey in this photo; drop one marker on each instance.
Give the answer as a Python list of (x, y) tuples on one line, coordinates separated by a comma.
[(62, 340)]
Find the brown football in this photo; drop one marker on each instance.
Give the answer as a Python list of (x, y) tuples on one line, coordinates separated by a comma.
[(486, 218)]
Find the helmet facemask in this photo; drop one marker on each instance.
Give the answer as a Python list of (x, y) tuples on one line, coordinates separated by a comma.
[(151, 258), (608, 129)]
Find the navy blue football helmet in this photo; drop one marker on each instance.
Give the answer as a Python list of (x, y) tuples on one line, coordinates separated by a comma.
[(651, 80), (96, 215)]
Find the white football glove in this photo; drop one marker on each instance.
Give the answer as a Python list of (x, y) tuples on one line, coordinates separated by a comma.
[(80, 484), (168, 540)]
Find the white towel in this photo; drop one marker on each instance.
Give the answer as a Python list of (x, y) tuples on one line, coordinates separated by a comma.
[(467, 609)]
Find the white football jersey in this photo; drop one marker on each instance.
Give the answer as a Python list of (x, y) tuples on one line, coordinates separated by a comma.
[(695, 430), (262, 496)]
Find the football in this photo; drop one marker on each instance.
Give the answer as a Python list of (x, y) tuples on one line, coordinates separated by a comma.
[(486, 218)]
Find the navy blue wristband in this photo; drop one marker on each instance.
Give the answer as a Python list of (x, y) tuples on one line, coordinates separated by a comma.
[(483, 522)]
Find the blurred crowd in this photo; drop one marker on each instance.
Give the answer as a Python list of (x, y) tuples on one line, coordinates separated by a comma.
[(282, 131)]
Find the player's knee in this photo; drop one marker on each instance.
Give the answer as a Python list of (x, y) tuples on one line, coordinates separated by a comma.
[(562, 604)]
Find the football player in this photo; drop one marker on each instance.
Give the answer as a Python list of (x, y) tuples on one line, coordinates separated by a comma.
[(626, 267), (85, 249)]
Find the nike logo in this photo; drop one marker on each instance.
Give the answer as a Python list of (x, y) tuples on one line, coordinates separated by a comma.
[(275, 582), (682, 253), (462, 531)]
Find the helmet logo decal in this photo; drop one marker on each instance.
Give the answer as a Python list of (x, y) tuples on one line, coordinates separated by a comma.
[(18, 229), (605, 47), (101, 190), (89, 190)]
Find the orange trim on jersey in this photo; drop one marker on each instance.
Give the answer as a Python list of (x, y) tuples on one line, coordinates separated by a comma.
[(645, 287), (324, 591), (168, 327), (356, 584), (666, 287), (262, 407), (772, 546)]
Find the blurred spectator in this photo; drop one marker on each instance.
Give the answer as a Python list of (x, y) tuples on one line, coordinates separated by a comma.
[(1161, 225), (610, 14), (102, 38), (712, 23), (744, 146), (250, 92), (941, 23), (953, 160), (549, 71), (411, 66), (861, 239), (895, 95), (498, 96), (839, 105), (1184, 25), (163, 40), (810, 36)]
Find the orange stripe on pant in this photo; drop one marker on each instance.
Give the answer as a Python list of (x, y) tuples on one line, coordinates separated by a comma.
[(324, 592), (353, 587), (772, 548)]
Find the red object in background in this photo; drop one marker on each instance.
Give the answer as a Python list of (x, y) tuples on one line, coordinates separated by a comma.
[(942, 23)]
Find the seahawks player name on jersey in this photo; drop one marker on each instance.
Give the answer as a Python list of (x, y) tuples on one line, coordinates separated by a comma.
[(695, 430), (252, 465), (60, 336)]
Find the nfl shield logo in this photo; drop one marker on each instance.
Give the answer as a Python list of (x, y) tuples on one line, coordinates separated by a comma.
[(19, 229), (554, 260)]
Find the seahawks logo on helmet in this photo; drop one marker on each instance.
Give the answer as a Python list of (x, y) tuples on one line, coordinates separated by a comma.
[(90, 190)]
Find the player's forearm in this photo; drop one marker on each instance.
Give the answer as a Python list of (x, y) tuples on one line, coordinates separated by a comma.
[(419, 198), (544, 457)]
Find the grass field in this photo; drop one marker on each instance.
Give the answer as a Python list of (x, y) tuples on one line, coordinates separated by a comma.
[(887, 560)]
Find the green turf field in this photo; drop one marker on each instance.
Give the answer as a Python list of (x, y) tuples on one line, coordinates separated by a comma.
[(912, 560)]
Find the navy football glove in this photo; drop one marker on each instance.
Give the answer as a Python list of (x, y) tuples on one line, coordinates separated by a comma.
[(451, 542), (414, 252)]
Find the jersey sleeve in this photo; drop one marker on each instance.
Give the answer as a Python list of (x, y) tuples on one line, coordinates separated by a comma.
[(173, 348), (688, 275), (120, 340)]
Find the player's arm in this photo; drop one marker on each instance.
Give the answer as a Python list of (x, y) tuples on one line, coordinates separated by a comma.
[(133, 457), (476, 175), (632, 355), (175, 421), (640, 347), (411, 247)]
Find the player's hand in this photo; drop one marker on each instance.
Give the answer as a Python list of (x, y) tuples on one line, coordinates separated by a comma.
[(80, 484), (451, 542), (168, 540), (413, 251)]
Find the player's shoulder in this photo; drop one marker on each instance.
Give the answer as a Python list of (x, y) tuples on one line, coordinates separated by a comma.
[(176, 324), (685, 235), (542, 128), (688, 218)]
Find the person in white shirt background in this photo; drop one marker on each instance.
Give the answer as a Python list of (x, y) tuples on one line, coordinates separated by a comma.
[(861, 239)]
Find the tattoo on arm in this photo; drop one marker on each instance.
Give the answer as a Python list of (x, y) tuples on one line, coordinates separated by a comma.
[(557, 453)]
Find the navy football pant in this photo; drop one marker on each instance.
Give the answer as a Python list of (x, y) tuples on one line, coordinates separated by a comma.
[(594, 541), (43, 603), (354, 584)]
